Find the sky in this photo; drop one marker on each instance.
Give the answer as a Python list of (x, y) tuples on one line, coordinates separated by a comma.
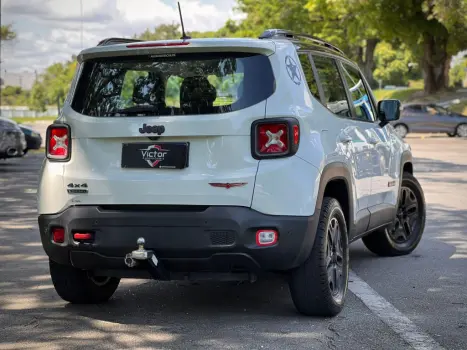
[(49, 31)]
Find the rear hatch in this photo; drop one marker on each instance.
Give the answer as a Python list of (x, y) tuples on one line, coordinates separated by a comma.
[(167, 124)]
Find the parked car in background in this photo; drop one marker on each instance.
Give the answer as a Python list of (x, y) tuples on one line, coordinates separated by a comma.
[(33, 138), (12, 139), (430, 118)]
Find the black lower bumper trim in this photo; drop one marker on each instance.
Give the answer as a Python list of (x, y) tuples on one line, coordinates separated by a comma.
[(215, 239)]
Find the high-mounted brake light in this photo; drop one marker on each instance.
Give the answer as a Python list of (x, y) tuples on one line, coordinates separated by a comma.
[(143, 45), (58, 142), (273, 138)]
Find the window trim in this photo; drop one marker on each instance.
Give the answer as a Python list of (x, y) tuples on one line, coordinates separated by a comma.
[(341, 67), (87, 68), (315, 74), (320, 87)]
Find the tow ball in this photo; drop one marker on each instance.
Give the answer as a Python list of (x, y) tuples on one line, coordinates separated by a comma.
[(148, 259), (132, 259)]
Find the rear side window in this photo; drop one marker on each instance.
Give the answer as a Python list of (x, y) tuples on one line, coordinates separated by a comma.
[(335, 98), (360, 98), (176, 84), (309, 75)]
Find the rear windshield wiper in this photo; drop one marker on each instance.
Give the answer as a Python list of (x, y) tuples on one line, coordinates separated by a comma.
[(135, 110)]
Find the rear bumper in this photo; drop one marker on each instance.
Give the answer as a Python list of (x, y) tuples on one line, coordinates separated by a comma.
[(184, 238)]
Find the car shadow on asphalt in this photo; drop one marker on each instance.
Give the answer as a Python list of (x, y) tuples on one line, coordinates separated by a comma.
[(427, 165)]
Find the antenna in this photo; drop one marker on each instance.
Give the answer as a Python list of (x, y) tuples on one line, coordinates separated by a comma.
[(184, 36)]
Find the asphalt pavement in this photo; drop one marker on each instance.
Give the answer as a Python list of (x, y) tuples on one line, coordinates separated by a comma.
[(413, 302)]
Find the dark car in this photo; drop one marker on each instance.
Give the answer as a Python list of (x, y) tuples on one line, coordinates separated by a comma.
[(12, 139), (430, 118), (33, 138)]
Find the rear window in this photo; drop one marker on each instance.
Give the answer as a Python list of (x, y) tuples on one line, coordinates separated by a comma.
[(173, 84)]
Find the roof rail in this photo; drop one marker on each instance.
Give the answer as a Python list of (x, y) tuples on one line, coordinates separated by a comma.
[(275, 33), (113, 41), (287, 34)]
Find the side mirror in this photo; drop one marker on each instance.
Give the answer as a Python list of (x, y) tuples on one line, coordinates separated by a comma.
[(388, 111)]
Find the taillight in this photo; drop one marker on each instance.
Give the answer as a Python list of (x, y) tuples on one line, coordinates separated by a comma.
[(58, 234), (273, 138), (58, 142)]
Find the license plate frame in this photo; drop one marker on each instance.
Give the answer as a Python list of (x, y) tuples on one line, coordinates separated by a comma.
[(155, 155)]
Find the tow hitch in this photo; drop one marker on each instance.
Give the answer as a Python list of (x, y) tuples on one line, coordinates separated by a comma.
[(148, 257)]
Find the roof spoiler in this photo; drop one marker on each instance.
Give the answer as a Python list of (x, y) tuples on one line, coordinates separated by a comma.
[(114, 41)]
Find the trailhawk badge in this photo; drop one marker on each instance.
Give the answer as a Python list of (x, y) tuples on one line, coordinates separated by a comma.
[(154, 154)]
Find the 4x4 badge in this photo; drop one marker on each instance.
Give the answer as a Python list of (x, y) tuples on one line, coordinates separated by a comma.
[(77, 188), (152, 129)]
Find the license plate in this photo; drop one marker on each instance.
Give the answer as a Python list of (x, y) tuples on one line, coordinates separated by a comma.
[(159, 155)]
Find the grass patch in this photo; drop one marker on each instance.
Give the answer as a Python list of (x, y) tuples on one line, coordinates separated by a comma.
[(402, 95), (23, 120)]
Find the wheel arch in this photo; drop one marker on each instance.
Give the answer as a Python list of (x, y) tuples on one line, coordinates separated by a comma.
[(336, 182), (406, 166)]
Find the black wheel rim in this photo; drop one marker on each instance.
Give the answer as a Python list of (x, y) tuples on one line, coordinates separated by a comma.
[(407, 223), (335, 260)]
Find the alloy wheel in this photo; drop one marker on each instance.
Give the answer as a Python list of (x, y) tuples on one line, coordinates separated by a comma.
[(335, 260), (462, 130), (407, 222)]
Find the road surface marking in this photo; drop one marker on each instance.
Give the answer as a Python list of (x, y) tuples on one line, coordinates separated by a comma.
[(395, 319)]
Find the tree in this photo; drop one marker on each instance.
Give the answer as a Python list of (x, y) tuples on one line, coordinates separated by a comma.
[(53, 85), (161, 32), (7, 33), (433, 29), (393, 64), (340, 23), (458, 73), (13, 96), (331, 20)]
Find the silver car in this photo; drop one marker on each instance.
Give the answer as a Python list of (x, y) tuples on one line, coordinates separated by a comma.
[(430, 118), (12, 139)]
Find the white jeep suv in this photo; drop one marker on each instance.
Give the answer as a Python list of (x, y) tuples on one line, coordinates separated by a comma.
[(223, 158)]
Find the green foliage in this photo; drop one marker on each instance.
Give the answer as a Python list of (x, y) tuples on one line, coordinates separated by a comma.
[(161, 32), (393, 64), (26, 120), (434, 30), (13, 96), (403, 95), (458, 73), (382, 36), (7, 33), (53, 85)]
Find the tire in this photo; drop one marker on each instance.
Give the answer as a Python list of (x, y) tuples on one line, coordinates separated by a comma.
[(461, 130), (78, 287), (402, 130), (310, 285), (391, 241)]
